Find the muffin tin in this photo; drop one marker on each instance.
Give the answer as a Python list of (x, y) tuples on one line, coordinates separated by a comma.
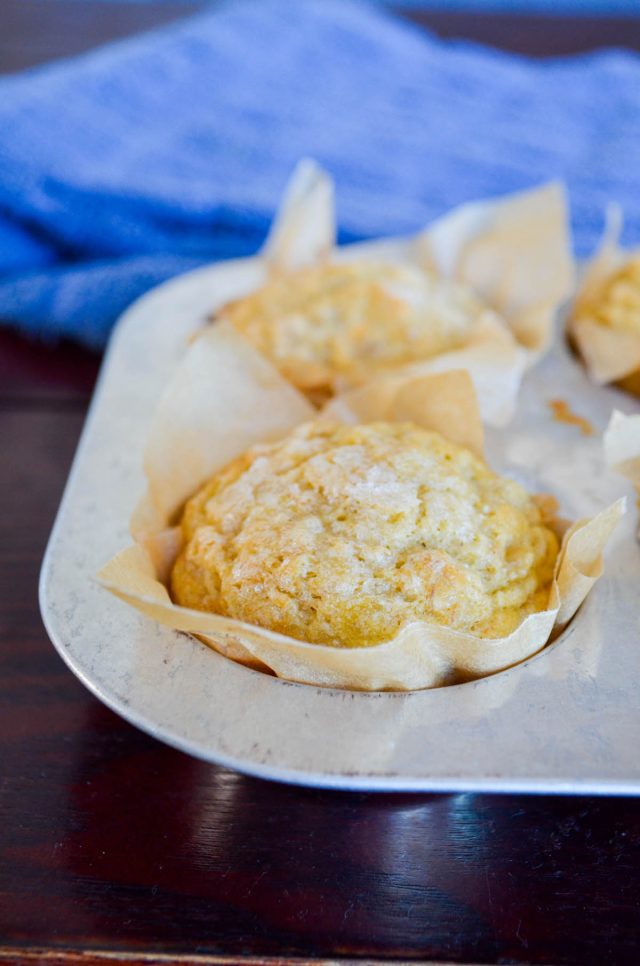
[(566, 720)]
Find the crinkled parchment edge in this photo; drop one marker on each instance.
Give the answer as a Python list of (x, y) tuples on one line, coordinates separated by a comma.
[(513, 252)]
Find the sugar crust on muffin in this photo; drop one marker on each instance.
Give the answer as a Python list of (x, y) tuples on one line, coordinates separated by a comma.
[(332, 326), (341, 535)]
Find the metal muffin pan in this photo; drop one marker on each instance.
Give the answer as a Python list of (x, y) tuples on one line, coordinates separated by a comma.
[(566, 720)]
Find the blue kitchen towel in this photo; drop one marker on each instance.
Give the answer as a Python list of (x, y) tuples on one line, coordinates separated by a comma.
[(123, 167)]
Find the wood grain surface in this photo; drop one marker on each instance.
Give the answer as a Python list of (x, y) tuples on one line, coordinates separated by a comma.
[(114, 847)]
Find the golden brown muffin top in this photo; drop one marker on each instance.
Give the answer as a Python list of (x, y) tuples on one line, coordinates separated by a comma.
[(616, 302), (332, 326), (342, 534)]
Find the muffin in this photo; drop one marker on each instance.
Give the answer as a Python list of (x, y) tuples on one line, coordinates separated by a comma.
[(606, 321), (617, 303), (332, 326), (341, 535)]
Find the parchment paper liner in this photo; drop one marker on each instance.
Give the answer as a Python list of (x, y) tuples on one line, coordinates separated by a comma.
[(225, 397), (513, 252), (610, 355)]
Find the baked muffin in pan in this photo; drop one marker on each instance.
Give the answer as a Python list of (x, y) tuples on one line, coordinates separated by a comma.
[(341, 535), (374, 551), (477, 289), (604, 323)]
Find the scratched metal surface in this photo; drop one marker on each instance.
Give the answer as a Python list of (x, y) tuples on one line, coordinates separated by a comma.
[(566, 720)]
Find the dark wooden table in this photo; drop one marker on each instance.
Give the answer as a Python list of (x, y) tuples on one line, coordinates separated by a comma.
[(112, 845)]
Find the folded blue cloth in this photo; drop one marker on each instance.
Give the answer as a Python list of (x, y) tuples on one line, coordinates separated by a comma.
[(123, 167)]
